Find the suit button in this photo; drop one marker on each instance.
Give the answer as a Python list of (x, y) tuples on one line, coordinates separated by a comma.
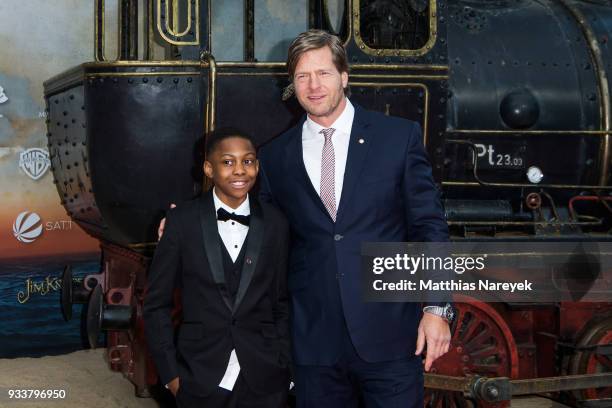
[(338, 237)]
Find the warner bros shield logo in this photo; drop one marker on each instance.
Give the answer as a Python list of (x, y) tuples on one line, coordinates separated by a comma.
[(34, 162)]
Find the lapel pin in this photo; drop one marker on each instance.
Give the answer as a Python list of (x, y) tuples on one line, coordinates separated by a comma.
[(361, 141), (249, 261)]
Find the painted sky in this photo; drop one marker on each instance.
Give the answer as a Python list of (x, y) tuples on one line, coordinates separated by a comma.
[(58, 36)]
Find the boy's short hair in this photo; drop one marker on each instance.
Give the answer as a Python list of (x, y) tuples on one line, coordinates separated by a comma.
[(218, 135)]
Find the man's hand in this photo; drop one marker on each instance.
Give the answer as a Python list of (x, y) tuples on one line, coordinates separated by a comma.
[(436, 331), (174, 386), (162, 224)]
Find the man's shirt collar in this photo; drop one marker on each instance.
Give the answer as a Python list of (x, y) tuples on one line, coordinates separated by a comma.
[(342, 124)]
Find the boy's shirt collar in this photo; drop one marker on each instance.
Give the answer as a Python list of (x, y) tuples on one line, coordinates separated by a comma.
[(243, 209)]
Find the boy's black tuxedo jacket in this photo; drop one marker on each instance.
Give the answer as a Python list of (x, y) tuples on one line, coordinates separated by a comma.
[(256, 325)]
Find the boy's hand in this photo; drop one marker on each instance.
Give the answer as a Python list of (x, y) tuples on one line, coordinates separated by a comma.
[(174, 386), (162, 224)]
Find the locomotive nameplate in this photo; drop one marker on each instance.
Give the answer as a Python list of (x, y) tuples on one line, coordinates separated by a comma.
[(501, 155)]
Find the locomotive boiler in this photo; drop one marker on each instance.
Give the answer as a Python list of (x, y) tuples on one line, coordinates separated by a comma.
[(514, 101)]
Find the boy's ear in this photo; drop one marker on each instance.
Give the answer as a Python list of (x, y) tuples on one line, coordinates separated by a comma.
[(208, 169)]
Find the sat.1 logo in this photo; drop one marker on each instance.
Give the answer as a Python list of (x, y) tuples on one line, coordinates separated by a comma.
[(28, 226)]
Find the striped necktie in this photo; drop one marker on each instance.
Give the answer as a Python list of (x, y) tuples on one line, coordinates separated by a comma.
[(328, 167)]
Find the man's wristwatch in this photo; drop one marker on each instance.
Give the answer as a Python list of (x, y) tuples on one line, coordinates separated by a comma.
[(447, 312)]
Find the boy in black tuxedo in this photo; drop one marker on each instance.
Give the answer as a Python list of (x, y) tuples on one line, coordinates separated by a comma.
[(228, 255)]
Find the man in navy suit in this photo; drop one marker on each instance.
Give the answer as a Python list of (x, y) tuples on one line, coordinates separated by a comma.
[(343, 176)]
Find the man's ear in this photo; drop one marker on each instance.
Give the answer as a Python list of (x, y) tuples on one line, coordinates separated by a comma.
[(344, 76), (208, 169)]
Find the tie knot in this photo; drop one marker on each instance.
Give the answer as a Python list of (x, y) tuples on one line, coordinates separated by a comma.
[(223, 215), (327, 133)]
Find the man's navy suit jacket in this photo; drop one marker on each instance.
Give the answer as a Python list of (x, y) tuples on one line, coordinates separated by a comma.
[(388, 196)]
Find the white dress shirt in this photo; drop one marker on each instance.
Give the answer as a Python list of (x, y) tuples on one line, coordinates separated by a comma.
[(312, 146), (232, 233)]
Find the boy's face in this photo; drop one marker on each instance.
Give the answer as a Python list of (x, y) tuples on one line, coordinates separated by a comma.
[(233, 168)]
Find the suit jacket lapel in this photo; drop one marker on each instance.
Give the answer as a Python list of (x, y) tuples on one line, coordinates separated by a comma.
[(253, 250), (357, 153), (212, 244), (294, 163)]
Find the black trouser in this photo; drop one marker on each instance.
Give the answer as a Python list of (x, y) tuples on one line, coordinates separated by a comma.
[(240, 397), (388, 384)]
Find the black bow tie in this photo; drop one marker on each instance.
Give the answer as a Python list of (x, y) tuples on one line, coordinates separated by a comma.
[(223, 215)]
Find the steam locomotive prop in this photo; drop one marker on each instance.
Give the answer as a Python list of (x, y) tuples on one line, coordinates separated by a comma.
[(514, 100)]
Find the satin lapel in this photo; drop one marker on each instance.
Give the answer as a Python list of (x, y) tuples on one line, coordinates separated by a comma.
[(252, 253), (294, 164), (359, 145), (212, 244)]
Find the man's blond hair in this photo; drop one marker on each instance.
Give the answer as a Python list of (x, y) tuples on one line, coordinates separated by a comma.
[(313, 40)]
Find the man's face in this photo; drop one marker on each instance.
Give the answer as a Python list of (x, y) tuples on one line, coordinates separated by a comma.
[(233, 167), (319, 86)]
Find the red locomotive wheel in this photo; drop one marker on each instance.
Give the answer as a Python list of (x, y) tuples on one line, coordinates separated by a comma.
[(591, 362), (481, 345)]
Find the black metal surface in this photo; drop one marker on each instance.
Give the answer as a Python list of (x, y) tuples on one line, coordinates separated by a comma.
[(133, 146), (496, 50), (94, 316), (128, 41), (117, 317), (598, 403), (234, 89), (391, 24), (249, 30), (465, 210), (523, 65), (72, 292), (149, 126), (122, 142), (66, 293)]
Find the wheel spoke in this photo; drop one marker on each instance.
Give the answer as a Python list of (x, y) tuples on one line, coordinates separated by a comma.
[(470, 328), (485, 352), (459, 400), (604, 361), (476, 342), (447, 401), (433, 402)]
